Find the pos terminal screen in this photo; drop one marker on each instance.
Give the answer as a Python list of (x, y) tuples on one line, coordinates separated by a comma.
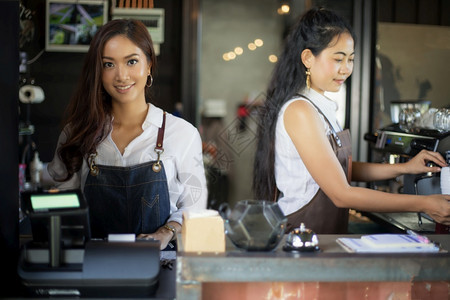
[(42, 203), (69, 205)]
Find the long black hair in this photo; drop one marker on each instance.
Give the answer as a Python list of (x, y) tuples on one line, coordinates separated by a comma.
[(314, 31)]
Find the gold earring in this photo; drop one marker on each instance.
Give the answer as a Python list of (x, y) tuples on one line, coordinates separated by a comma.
[(151, 81), (308, 78)]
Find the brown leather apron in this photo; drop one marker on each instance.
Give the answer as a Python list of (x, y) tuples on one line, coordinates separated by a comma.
[(320, 214)]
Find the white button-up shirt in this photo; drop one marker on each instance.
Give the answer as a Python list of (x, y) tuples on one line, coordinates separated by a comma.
[(182, 159)]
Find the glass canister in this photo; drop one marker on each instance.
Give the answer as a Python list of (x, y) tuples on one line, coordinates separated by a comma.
[(409, 118), (441, 120), (254, 225)]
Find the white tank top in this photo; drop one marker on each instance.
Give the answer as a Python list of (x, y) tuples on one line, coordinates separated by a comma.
[(296, 185)]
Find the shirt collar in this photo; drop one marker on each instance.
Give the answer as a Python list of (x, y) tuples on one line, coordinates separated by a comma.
[(154, 117)]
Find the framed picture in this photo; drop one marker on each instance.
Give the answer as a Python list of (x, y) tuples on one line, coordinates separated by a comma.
[(70, 25)]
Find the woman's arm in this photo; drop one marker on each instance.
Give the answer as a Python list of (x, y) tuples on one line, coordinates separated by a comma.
[(191, 174), (306, 130), (417, 165), (57, 170)]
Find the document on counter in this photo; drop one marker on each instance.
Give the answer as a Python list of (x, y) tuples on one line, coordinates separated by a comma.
[(388, 243)]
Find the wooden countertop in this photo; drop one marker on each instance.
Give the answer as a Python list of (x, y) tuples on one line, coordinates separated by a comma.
[(332, 263)]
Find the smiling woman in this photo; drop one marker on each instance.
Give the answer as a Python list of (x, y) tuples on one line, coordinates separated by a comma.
[(125, 71), (329, 70), (121, 150), (124, 77), (303, 158)]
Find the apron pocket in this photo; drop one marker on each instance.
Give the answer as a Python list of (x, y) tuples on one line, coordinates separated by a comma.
[(150, 215)]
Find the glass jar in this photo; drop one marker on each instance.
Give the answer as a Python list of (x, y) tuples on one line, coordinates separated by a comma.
[(254, 225), (409, 118), (441, 120)]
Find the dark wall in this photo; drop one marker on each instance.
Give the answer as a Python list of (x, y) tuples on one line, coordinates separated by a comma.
[(428, 12), (9, 212), (57, 73)]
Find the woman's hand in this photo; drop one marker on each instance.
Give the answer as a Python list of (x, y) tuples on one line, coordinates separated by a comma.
[(163, 235), (418, 164), (438, 208)]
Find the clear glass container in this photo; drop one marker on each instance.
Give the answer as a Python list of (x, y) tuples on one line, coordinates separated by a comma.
[(254, 225), (441, 120)]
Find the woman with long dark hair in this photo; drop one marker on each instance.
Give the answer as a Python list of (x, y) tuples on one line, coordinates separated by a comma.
[(303, 157), (138, 166)]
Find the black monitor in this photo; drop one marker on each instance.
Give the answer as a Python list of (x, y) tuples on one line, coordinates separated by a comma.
[(68, 207)]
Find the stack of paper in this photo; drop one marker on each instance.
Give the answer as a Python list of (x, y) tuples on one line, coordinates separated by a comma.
[(388, 243)]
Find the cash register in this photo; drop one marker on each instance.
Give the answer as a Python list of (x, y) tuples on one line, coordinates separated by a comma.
[(61, 259)]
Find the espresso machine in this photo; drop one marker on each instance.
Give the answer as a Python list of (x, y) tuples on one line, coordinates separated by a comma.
[(392, 144)]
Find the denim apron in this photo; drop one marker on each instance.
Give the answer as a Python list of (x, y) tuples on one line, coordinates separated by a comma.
[(131, 199), (320, 214)]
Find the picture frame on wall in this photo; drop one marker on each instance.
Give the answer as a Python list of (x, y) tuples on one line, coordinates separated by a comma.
[(70, 25)]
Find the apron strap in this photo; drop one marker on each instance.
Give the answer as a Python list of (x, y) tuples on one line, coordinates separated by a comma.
[(159, 149), (333, 132), (160, 139)]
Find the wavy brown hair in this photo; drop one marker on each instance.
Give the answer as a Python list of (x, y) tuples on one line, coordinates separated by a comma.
[(87, 119), (314, 31)]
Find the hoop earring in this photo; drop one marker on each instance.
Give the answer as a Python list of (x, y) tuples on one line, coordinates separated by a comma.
[(308, 78), (151, 81)]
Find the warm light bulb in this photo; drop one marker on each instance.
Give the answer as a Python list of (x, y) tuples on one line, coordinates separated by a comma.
[(285, 8), (231, 55), (251, 46), (259, 42), (225, 57), (238, 50), (273, 58)]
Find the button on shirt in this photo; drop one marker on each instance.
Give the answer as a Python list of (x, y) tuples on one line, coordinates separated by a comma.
[(293, 179), (182, 159)]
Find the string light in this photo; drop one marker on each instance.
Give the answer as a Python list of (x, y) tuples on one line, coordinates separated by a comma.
[(259, 42), (273, 58), (238, 50), (229, 56), (284, 9)]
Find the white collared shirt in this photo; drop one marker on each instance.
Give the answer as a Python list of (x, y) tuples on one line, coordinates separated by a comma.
[(182, 159), (295, 183)]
